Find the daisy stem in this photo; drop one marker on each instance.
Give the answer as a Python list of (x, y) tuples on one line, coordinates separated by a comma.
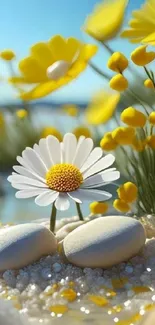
[(79, 211), (53, 218)]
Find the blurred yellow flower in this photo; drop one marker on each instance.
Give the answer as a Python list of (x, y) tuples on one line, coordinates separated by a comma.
[(71, 110), (148, 83), (121, 205), (49, 130), (82, 130), (7, 55), (21, 113), (128, 192), (142, 26), (151, 141), (152, 118), (52, 65), (133, 117), (118, 62), (119, 82), (2, 121), (108, 143), (98, 207), (140, 57), (106, 20), (123, 135), (102, 107), (138, 145)]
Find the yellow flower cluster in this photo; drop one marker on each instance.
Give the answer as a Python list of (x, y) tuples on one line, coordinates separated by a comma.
[(71, 110), (140, 57), (133, 117), (127, 194), (98, 207), (82, 130), (107, 143), (49, 130), (7, 55), (118, 63), (21, 113), (120, 136)]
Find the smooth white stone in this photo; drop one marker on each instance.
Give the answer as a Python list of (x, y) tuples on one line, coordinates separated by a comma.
[(104, 242), (58, 70), (24, 244)]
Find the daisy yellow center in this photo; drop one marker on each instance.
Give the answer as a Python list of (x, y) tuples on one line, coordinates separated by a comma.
[(64, 178)]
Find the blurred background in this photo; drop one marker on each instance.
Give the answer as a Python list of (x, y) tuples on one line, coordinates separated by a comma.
[(22, 24)]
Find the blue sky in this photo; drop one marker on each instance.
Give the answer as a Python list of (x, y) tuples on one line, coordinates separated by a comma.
[(23, 23)]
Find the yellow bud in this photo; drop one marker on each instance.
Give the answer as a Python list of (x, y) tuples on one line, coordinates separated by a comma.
[(148, 83), (121, 205), (51, 131), (123, 135), (117, 62), (21, 113), (82, 130), (151, 141), (7, 55), (119, 82), (152, 118), (128, 192), (107, 143), (132, 117), (140, 57), (98, 207), (138, 145), (71, 110)]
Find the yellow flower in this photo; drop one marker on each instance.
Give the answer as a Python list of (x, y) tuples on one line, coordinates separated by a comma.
[(108, 143), (140, 57), (148, 83), (138, 145), (71, 110), (21, 113), (123, 135), (121, 205), (119, 82), (152, 118), (98, 207), (52, 65), (49, 130), (7, 55), (118, 62), (151, 141), (142, 26), (98, 24), (102, 107), (82, 130), (2, 121), (132, 117), (128, 192)]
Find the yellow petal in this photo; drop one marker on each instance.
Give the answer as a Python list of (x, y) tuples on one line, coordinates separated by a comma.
[(43, 89), (149, 39), (43, 53), (58, 47), (88, 51), (32, 70), (76, 68), (73, 48)]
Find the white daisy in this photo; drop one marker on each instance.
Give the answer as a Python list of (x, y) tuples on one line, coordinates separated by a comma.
[(55, 172)]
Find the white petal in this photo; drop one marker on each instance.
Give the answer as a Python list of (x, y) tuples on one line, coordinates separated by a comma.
[(34, 161), (74, 195), (19, 186), (62, 152), (26, 180), (62, 202), (94, 156), (100, 179), (25, 172), (23, 163), (44, 153), (25, 194), (103, 163), (53, 145), (69, 146), (46, 198), (93, 195), (83, 152)]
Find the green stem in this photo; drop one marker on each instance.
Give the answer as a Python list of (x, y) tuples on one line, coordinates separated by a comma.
[(138, 99), (100, 72), (53, 218), (79, 211)]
